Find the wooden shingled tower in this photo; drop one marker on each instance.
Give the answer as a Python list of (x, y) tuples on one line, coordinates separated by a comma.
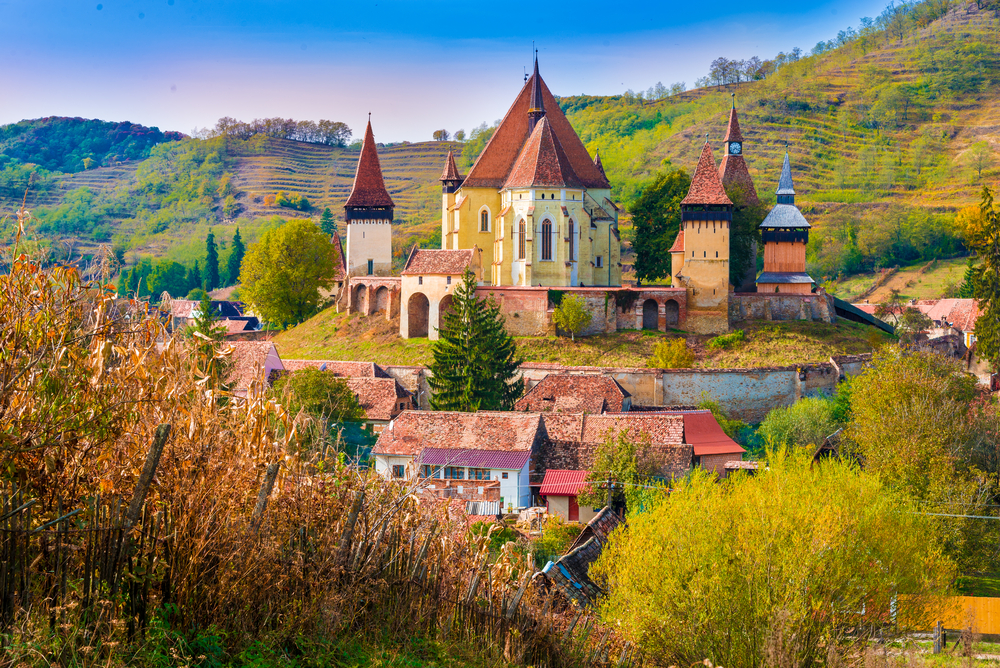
[(369, 213)]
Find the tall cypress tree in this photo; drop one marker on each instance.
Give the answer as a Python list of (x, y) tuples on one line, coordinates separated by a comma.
[(194, 277), (211, 263), (235, 259), (327, 223), (475, 363)]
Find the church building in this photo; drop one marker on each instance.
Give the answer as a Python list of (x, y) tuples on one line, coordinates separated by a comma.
[(368, 212), (535, 202), (785, 234)]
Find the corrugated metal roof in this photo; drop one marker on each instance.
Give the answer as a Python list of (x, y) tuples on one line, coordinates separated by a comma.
[(702, 431), (563, 483), (511, 460)]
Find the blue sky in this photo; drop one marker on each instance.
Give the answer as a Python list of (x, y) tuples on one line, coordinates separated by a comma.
[(417, 66)]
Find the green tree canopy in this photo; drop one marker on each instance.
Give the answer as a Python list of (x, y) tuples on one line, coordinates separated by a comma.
[(284, 272), (744, 237), (571, 315), (235, 259), (984, 239), (211, 263), (321, 394), (475, 365), (327, 223), (656, 220), (806, 422)]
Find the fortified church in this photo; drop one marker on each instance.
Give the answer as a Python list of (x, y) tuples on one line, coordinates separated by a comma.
[(534, 220)]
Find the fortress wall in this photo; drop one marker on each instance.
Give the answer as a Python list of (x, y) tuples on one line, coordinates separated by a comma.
[(816, 306)]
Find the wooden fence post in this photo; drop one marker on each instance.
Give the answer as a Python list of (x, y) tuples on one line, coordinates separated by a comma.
[(938, 637), (146, 477), (264, 494)]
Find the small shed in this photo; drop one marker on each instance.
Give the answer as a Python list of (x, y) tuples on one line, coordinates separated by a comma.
[(560, 490)]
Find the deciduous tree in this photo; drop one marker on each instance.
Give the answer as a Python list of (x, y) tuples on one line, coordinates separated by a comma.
[(475, 365), (671, 354), (283, 273), (656, 220), (984, 239), (571, 315)]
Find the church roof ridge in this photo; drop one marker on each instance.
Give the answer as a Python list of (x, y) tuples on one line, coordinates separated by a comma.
[(537, 103), (450, 172), (542, 162), (706, 186), (494, 165), (369, 187)]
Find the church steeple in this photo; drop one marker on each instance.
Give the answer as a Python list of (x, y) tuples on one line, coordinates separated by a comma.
[(536, 106), (786, 189), (733, 170)]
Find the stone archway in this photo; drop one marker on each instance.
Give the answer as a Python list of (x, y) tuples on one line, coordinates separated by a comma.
[(673, 313), (446, 303), (381, 300), (650, 314), (418, 313), (361, 299)]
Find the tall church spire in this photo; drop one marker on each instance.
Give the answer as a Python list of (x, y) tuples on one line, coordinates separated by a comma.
[(733, 170), (536, 107), (369, 187), (786, 189)]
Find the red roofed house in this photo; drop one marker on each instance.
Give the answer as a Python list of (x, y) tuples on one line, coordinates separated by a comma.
[(535, 201), (560, 489), (453, 448), (429, 279), (703, 265), (252, 361), (576, 393)]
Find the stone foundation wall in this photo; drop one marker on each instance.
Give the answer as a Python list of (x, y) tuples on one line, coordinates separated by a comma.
[(817, 306)]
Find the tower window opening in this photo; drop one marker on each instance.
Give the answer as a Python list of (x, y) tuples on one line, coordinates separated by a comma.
[(572, 240), (716, 253), (704, 253)]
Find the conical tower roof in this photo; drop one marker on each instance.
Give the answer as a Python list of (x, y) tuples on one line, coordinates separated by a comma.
[(733, 131), (537, 103), (598, 163), (542, 163), (369, 188), (706, 187), (450, 172), (785, 185)]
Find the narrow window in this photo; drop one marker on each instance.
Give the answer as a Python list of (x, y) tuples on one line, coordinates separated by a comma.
[(572, 240), (547, 239), (420, 280), (600, 261), (398, 471), (704, 253), (716, 253), (504, 477), (520, 241), (371, 267), (484, 221), (449, 278)]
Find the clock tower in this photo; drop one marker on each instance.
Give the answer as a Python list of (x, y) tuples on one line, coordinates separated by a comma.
[(740, 189)]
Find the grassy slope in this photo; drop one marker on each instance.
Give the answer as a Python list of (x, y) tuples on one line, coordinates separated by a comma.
[(334, 336), (919, 281)]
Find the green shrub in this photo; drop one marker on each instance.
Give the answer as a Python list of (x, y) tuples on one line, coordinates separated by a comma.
[(726, 341), (554, 541), (671, 354), (806, 422), (499, 537)]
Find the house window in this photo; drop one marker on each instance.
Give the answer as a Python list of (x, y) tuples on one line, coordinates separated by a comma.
[(428, 471), (398, 470), (504, 475), (448, 280), (547, 239), (600, 261), (572, 240), (420, 280), (484, 220), (479, 474), (371, 267), (520, 240), (454, 473)]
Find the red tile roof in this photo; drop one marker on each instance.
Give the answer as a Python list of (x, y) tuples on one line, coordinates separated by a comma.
[(249, 361), (235, 326), (706, 187), (477, 459), (339, 368), (434, 261), (678, 246), (702, 431), (664, 429), (563, 483), (598, 163), (412, 431), (735, 176), (733, 130), (587, 393), (380, 398), (959, 313), (369, 188), (340, 275), (496, 161), (450, 172), (542, 162)]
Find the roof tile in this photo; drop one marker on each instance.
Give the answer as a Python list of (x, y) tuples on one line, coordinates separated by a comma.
[(369, 187), (436, 261), (558, 482), (412, 431), (542, 162), (706, 187), (576, 393)]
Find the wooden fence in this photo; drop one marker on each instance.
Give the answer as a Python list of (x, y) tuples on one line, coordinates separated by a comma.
[(981, 614)]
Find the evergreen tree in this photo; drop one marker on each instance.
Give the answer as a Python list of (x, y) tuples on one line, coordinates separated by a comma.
[(656, 220), (211, 263), (194, 277), (327, 223), (984, 239), (207, 335), (966, 290), (475, 362), (235, 259)]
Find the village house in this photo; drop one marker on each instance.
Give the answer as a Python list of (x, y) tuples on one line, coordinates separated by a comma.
[(252, 362), (232, 315), (429, 279), (575, 393), (559, 492)]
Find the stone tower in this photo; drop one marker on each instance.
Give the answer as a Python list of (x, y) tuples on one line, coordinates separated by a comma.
[(701, 263), (368, 213)]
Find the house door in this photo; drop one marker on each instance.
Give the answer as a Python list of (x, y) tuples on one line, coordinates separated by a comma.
[(574, 510)]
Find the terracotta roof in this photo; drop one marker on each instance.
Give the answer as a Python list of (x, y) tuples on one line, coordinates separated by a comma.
[(412, 431), (236, 326), (706, 187), (496, 161), (588, 393), (435, 261), (542, 162), (702, 431), (249, 360), (959, 313), (664, 429), (733, 130), (477, 459), (369, 188), (735, 175), (563, 483), (339, 368), (598, 163), (340, 275), (450, 172), (380, 397), (185, 308), (678, 246)]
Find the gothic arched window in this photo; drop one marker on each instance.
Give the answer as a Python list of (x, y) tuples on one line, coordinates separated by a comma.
[(572, 240), (484, 220), (546, 239), (520, 240)]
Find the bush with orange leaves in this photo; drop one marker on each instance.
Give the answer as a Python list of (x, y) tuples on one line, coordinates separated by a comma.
[(319, 550)]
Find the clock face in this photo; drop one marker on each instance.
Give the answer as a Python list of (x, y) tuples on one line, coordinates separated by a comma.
[(735, 148)]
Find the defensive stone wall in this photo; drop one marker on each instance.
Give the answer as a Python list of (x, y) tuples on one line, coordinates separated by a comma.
[(816, 306)]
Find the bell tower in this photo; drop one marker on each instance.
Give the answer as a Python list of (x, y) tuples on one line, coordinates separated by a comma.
[(369, 212)]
